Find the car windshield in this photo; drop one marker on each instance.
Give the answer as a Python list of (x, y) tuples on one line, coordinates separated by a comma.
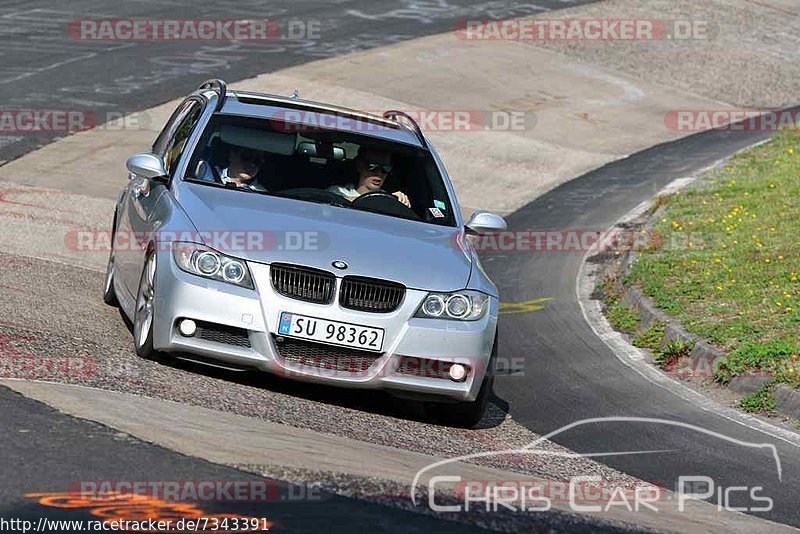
[(351, 170)]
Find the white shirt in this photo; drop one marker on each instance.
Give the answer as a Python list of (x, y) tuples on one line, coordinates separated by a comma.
[(225, 179), (346, 190)]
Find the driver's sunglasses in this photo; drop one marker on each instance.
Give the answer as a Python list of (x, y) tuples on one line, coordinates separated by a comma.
[(384, 168)]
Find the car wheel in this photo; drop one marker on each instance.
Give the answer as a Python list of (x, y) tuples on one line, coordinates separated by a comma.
[(467, 414), (143, 315), (109, 295)]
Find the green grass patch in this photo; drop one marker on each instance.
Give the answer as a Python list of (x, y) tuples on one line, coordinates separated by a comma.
[(651, 337), (759, 402), (727, 263), (777, 357), (621, 316), (673, 351)]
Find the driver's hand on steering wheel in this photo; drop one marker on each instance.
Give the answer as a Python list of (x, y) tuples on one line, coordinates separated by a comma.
[(402, 197)]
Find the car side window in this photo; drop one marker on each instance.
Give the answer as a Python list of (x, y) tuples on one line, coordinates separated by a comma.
[(184, 129), (172, 140), (160, 144)]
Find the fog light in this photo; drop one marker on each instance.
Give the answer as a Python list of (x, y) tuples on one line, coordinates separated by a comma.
[(187, 328), (457, 372)]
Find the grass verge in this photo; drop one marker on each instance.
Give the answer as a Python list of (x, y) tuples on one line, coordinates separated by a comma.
[(725, 262), (671, 354), (621, 316), (651, 337)]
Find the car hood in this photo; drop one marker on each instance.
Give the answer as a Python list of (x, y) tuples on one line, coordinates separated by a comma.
[(266, 229)]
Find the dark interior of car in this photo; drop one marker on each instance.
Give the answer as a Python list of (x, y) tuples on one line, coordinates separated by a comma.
[(303, 165)]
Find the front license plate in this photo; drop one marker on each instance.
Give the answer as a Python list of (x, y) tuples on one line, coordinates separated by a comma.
[(332, 332)]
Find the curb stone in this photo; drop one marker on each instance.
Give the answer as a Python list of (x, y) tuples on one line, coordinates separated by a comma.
[(787, 400), (748, 384)]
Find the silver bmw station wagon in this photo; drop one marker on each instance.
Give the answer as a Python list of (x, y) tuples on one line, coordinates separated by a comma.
[(310, 241)]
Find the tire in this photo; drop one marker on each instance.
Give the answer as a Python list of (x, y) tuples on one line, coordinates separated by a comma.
[(144, 312), (109, 295), (467, 414)]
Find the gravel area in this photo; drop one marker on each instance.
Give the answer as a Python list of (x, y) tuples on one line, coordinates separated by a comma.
[(750, 58), (61, 316), (393, 494)]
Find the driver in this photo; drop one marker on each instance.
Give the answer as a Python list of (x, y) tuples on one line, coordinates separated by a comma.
[(373, 166), (244, 164)]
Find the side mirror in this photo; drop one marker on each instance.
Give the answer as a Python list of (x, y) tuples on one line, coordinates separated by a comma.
[(483, 222), (146, 165)]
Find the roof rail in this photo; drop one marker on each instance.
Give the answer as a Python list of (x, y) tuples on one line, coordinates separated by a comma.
[(219, 87), (393, 114)]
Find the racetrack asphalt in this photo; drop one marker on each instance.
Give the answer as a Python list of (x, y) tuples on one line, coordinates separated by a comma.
[(46, 453), (568, 374), (42, 68)]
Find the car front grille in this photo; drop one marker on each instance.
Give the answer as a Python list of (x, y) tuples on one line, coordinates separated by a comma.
[(369, 295), (226, 335), (303, 283), (299, 353)]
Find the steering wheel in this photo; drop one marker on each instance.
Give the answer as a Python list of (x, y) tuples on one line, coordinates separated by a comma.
[(375, 194), (377, 201)]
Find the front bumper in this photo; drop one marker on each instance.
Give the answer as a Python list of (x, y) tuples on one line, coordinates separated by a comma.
[(181, 295)]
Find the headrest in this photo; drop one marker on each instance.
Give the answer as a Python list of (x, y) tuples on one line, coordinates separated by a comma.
[(321, 150)]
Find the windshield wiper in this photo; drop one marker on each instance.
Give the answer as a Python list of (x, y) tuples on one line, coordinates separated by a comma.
[(320, 201), (227, 185), (314, 199)]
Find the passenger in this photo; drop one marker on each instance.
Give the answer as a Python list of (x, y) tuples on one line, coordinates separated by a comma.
[(244, 165)]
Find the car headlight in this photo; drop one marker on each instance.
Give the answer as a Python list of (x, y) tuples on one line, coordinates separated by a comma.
[(208, 263), (465, 305)]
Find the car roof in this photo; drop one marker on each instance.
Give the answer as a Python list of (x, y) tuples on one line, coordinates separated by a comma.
[(313, 115)]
